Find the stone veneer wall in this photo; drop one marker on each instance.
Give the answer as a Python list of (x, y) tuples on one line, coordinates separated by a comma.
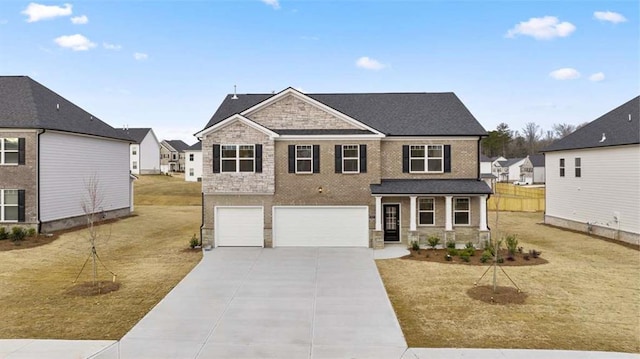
[(23, 176), (464, 159), (293, 113)]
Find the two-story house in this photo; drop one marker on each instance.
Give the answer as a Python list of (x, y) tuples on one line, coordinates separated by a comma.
[(50, 150), (172, 155), (593, 176), (144, 152), (532, 169), (364, 169), (193, 163)]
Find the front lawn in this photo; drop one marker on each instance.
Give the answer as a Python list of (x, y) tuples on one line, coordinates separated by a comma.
[(586, 298)]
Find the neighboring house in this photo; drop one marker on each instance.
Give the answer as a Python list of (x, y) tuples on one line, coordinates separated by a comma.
[(193, 163), (532, 169), (486, 171), (495, 167), (144, 151), (593, 176), (50, 149), (358, 170), (172, 155), (508, 170)]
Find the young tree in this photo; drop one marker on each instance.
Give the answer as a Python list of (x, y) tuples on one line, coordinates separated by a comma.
[(532, 134), (92, 208)]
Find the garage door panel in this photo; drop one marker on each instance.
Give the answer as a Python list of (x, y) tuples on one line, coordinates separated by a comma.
[(239, 227), (340, 226)]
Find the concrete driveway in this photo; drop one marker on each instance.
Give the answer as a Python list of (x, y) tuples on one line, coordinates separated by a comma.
[(273, 303)]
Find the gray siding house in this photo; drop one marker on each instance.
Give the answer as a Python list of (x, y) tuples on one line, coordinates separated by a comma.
[(49, 150)]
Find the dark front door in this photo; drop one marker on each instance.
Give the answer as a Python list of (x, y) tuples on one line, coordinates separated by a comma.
[(391, 222)]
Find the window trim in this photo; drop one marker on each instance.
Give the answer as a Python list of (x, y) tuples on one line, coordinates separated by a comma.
[(468, 211), (426, 158), (562, 167), (432, 211), (4, 151), (134, 165), (357, 158), (578, 167), (134, 150), (238, 158), (3, 206), (310, 159), (191, 172)]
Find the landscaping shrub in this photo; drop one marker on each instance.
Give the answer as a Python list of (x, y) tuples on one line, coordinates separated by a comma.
[(18, 234), (193, 242), (451, 244), (464, 256), (486, 255), (415, 246), (31, 232), (511, 241), (452, 252), (433, 241), (3, 233), (469, 245), (469, 251)]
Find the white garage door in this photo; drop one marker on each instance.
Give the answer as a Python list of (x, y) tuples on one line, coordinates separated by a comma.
[(319, 226), (239, 227)]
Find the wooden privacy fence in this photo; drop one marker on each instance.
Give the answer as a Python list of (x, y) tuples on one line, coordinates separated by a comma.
[(508, 197)]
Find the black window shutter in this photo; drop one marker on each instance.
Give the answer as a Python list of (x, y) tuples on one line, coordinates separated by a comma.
[(216, 158), (20, 205), (447, 158), (258, 158), (363, 158), (316, 158), (338, 158), (292, 158), (405, 159), (21, 151)]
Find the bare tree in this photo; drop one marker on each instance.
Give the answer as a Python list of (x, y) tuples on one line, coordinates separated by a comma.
[(532, 134), (563, 129)]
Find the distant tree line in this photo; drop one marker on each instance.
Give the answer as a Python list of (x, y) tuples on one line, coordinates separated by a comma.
[(530, 140)]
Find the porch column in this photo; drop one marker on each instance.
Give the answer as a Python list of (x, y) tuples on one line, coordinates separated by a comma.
[(378, 213), (412, 215), (448, 213), (483, 213)]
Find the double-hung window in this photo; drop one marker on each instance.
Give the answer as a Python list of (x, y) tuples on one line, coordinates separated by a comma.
[(426, 158), (134, 151), (191, 157), (350, 158), (462, 211), (562, 167), (9, 205), (304, 159), (135, 165), (578, 167), (426, 211), (237, 158), (9, 151)]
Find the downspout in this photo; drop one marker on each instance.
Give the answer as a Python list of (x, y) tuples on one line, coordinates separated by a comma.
[(478, 162), (38, 180), (201, 216)]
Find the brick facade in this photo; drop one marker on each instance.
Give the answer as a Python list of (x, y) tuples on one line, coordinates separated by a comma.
[(23, 177)]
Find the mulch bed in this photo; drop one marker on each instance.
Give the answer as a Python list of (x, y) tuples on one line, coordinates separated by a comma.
[(28, 242), (502, 295), (438, 256), (87, 289)]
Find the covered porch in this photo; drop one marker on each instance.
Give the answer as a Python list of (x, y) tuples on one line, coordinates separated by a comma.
[(408, 210)]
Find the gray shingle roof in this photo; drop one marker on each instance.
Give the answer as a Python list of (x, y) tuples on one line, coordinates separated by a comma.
[(25, 103), (396, 114), (177, 145), (136, 134), (620, 126), (509, 162), (195, 147), (427, 186), (537, 160), (484, 158), (328, 131)]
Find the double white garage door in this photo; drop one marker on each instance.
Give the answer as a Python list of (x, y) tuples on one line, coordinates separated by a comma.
[(294, 226)]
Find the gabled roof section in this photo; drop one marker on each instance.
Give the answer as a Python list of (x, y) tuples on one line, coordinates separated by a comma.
[(484, 158), (510, 162), (394, 114), (195, 147), (620, 126), (136, 134), (177, 145), (237, 118), (537, 160), (25, 103)]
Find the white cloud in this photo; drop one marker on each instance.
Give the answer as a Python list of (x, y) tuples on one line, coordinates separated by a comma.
[(37, 12), (597, 77), (566, 73), (370, 64), (273, 3), (80, 20), (75, 42), (542, 28), (140, 56), (113, 47), (610, 16)]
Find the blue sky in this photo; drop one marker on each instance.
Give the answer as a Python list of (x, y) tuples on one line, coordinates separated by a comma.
[(168, 64)]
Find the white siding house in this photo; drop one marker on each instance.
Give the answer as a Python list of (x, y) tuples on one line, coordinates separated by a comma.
[(144, 152), (593, 177), (193, 163)]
